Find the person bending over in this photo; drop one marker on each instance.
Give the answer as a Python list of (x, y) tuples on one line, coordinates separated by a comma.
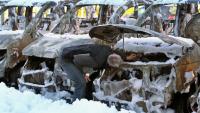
[(78, 61)]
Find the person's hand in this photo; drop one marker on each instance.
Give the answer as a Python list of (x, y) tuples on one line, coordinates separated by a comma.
[(87, 77)]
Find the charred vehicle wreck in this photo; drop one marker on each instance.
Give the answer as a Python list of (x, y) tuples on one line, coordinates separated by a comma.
[(51, 47), (12, 42), (159, 70), (42, 72), (154, 71), (191, 31)]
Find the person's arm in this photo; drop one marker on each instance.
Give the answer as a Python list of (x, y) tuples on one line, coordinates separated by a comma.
[(69, 52)]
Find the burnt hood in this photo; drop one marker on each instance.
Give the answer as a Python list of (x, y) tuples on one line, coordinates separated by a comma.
[(112, 33)]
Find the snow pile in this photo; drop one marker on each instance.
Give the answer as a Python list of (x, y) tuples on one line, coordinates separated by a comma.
[(13, 101)]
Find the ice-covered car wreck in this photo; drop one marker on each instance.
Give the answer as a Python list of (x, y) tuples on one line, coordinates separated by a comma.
[(162, 71), (10, 42), (42, 72), (154, 72)]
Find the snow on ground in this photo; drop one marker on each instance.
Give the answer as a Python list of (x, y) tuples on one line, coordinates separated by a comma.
[(13, 101)]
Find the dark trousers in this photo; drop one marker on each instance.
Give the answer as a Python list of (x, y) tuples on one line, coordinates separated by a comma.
[(77, 76), (90, 86)]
